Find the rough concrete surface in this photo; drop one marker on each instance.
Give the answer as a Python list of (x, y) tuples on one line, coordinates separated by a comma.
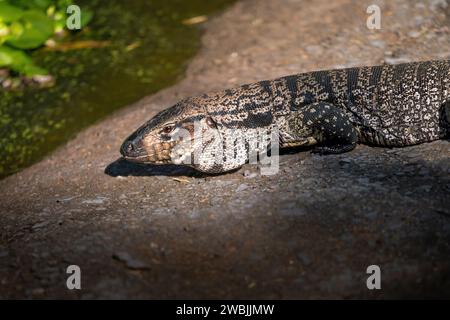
[(308, 232)]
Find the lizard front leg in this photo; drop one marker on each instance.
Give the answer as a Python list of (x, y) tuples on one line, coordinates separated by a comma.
[(331, 127)]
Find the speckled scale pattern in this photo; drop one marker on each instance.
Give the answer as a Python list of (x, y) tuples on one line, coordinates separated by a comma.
[(389, 105)]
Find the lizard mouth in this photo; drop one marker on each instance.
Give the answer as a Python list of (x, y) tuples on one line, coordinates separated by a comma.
[(148, 159), (158, 153)]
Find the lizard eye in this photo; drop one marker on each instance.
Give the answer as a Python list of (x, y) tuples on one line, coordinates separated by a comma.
[(168, 129), (210, 122)]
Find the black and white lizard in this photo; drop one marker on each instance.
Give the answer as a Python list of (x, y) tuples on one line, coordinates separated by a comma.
[(388, 105)]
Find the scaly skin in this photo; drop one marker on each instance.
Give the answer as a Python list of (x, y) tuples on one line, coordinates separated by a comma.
[(389, 105)]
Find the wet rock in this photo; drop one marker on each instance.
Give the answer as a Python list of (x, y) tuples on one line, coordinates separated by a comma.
[(314, 49), (378, 43), (40, 225), (98, 200), (425, 188), (130, 262), (344, 161), (414, 34), (396, 60), (242, 187), (37, 291), (249, 175), (304, 258), (3, 253), (44, 80), (438, 4)]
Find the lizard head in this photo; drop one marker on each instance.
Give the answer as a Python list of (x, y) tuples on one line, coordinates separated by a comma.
[(212, 133), (182, 134)]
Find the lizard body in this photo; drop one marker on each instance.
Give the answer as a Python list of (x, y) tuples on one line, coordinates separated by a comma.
[(388, 105)]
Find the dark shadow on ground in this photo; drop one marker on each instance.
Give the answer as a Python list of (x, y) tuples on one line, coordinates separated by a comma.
[(293, 150), (122, 167)]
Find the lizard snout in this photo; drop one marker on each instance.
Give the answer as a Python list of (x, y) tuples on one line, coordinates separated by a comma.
[(132, 149)]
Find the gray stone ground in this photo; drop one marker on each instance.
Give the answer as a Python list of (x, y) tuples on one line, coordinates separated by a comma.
[(308, 232)]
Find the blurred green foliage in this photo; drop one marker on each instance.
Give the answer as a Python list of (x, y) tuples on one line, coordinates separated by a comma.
[(27, 25), (145, 46)]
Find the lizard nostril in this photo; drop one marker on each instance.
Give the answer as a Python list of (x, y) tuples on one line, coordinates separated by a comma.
[(130, 147)]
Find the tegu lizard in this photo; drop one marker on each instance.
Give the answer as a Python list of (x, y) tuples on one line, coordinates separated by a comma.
[(388, 105)]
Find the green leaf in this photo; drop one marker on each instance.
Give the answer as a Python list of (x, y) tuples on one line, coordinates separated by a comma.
[(43, 4), (63, 4), (37, 28), (31, 4), (86, 17), (17, 60), (6, 57), (9, 13), (4, 32), (32, 70)]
